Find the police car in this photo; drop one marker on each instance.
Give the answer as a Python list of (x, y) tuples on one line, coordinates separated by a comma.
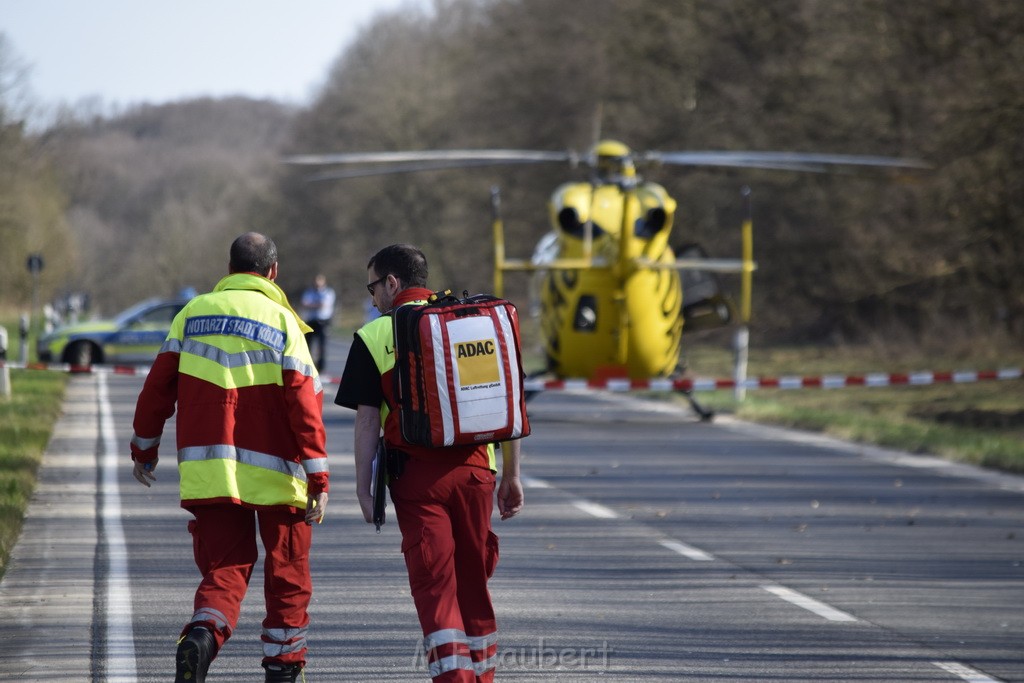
[(133, 336)]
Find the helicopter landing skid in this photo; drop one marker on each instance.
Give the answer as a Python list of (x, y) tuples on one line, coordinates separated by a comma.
[(705, 414)]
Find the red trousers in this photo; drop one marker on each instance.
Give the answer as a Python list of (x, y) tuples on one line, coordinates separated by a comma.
[(444, 513), (224, 542)]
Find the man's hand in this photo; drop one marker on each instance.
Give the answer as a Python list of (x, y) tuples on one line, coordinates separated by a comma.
[(144, 472), (316, 507), (510, 490), (366, 505), (510, 497)]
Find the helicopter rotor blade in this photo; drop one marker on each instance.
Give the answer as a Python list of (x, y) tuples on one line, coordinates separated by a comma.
[(383, 163), (782, 161), (367, 171), (473, 157)]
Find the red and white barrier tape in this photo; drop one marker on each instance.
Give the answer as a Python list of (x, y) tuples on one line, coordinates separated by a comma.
[(80, 369), (666, 384), (819, 382)]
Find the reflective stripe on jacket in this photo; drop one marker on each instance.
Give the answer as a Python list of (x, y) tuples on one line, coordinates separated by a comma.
[(249, 400)]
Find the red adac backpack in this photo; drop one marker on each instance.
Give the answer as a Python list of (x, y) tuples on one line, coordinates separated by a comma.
[(458, 371)]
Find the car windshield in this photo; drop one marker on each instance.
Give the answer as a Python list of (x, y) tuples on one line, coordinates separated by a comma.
[(126, 315)]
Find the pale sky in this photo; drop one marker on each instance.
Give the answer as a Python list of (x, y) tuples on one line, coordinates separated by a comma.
[(132, 51)]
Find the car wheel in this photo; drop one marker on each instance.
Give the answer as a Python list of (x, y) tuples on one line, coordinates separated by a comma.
[(81, 353)]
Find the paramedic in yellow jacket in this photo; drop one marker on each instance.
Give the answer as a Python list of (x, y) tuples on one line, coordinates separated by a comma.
[(443, 497), (251, 447)]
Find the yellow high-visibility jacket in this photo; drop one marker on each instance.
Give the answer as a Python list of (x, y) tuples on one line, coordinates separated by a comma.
[(249, 400)]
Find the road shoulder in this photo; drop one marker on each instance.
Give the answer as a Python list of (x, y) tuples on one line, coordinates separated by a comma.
[(47, 594)]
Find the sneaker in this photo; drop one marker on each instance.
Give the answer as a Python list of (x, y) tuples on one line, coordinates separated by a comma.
[(283, 673), (195, 652)]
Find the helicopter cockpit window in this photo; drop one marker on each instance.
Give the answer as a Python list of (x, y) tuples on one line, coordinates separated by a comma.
[(569, 221), (650, 223), (612, 170)]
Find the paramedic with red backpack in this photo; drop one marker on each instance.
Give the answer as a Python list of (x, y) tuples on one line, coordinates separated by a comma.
[(443, 497)]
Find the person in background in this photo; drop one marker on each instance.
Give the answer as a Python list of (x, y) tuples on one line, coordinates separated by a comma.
[(318, 304), (443, 497), (251, 450)]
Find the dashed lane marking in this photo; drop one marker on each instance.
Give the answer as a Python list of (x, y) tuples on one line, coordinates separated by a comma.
[(599, 511), (965, 672), (687, 551), (799, 599), (809, 603)]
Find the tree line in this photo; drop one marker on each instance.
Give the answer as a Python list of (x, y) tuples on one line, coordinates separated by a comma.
[(149, 198)]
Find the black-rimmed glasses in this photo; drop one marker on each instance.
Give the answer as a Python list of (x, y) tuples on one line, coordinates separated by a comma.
[(371, 286)]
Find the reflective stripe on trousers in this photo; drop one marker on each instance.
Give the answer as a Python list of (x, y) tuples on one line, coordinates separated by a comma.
[(278, 642), (480, 660)]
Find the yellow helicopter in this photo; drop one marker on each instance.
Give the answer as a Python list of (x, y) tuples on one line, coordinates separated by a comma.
[(610, 289)]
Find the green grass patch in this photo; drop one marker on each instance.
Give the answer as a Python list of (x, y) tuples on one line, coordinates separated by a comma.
[(980, 423), (26, 423)]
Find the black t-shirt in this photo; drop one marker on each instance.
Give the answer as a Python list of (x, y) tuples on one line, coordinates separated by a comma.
[(360, 382)]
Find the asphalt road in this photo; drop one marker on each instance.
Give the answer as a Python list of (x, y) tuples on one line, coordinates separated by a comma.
[(652, 547)]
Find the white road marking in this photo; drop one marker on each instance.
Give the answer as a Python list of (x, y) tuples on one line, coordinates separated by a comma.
[(120, 639), (965, 672), (808, 603), (599, 511), (602, 512), (799, 599), (687, 551)]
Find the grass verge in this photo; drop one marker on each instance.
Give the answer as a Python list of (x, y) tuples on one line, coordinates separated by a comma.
[(980, 423), (26, 423)]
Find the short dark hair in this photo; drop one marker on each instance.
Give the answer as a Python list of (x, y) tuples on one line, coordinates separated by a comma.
[(252, 253), (404, 261)]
